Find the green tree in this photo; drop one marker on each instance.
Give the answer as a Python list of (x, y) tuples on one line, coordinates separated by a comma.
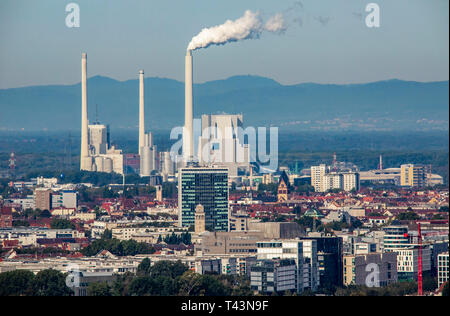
[(408, 216), (99, 289), (107, 234), (45, 214), (188, 282), (51, 283), (121, 284), (59, 223), (144, 267), (168, 268), (16, 283)]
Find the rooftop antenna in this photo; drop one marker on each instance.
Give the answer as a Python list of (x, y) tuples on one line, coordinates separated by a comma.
[(12, 164), (96, 113), (334, 162)]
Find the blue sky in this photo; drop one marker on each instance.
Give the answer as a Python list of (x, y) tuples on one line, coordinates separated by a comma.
[(123, 36)]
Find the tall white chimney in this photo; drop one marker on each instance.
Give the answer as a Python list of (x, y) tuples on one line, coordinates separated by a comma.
[(84, 163), (188, 137), (141, 112)]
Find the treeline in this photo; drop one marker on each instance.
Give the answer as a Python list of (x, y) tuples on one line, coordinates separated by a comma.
[(167, 278), (24, 283), (41, 250), (174, 239), (118, 247), (308, 222), (96, 178), (400, 288)]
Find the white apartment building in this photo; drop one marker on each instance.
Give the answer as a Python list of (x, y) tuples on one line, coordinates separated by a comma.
[(317, 172), (407, 261), (331, 181), (26, 203), (323, 180), (442, 267), (65, 199), (351, 181)]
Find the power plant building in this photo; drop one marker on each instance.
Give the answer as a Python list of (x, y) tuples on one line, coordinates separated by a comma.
[(147, 151), (222, 143), (96, 153)]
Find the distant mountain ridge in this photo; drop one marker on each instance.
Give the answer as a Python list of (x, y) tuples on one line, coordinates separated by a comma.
[(383, 105)]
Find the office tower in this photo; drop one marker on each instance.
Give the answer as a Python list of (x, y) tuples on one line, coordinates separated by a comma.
[(42, 198), (274, 275), (413, 175), (397, 239), (395, 236), (329, 258), (311, 267), (208, 187), (285, 249)]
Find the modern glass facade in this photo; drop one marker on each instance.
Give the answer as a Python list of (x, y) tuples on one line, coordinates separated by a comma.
[(208, 187), (396, 237)]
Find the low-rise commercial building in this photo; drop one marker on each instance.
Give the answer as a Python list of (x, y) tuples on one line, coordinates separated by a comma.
[(376, 269)]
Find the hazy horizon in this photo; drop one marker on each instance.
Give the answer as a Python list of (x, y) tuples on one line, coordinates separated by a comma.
[(226, 78)]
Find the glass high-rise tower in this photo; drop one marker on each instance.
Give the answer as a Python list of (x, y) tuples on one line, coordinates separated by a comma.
[(208, 187)]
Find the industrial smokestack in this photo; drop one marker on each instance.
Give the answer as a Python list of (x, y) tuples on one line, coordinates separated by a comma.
[(141, 112), (188, 137), (84, 163)]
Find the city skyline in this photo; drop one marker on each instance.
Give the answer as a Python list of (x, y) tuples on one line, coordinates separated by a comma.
[(318, 167)]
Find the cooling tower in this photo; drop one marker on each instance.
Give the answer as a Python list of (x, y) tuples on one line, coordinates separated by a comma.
[(188, 138)]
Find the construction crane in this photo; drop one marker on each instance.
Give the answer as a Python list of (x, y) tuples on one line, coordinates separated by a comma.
[(419, 262)]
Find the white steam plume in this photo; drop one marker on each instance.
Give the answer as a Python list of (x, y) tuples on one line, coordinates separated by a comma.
[(249, 26), (276, 24)]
